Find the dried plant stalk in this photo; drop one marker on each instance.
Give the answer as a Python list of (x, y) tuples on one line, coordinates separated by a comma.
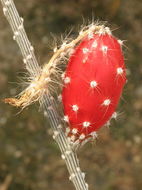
[(42, 82), (48, 103)]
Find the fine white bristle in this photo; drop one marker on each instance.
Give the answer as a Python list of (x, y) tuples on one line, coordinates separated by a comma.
[(119, 71), (106, 102)]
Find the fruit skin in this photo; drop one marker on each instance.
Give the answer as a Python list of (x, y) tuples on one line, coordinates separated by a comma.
[(93, 83)]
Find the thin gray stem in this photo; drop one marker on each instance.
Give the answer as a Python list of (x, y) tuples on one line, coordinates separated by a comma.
[(47, 102)]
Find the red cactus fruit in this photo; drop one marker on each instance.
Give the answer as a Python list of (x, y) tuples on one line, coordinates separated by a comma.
[(94, 79)]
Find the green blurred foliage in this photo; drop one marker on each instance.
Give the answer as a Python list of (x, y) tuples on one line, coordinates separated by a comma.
[(27, 151)]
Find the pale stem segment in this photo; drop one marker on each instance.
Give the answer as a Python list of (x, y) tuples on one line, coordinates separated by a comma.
[(47, 102)]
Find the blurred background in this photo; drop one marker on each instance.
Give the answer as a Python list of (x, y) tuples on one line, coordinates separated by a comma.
[(29, 158)]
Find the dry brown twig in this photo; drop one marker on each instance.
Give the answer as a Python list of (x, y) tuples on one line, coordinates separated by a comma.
[(5, 185), (42, 83)]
